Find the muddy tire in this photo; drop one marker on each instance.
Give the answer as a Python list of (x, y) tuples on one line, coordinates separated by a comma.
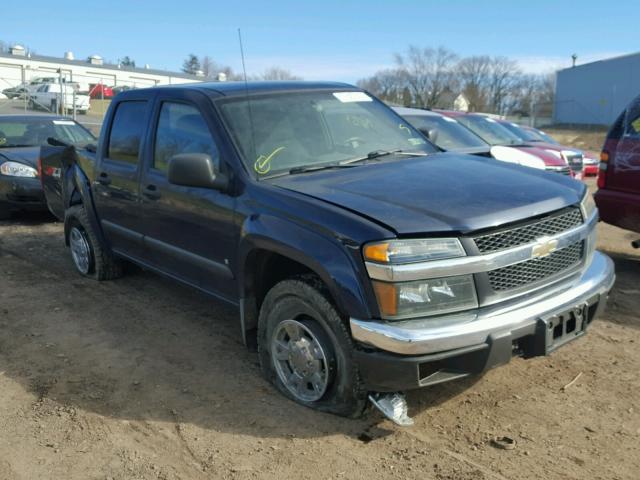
[(306, 350), (90, 257)]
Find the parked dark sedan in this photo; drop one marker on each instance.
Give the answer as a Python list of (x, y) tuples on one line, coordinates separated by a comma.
[(21, 137)]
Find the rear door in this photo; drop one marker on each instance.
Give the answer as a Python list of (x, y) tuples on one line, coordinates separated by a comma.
[(116, 188), (624, 169), (189, 232)]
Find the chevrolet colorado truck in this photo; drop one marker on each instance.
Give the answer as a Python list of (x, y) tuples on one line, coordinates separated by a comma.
[(362, 261)]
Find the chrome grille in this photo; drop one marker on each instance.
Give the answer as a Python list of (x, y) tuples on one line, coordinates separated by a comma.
[(536, 269), (530, 232)]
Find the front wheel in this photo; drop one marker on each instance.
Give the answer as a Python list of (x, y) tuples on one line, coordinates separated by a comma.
[(306, 350), (90, 256)]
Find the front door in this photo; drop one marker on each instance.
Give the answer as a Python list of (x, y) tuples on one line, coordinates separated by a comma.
[(189, 232), (116, 186)]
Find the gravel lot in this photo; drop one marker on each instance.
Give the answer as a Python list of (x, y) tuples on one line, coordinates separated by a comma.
[(143, 379)]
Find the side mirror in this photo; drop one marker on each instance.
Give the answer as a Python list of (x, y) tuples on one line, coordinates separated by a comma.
[(431, 134), (196, 170)]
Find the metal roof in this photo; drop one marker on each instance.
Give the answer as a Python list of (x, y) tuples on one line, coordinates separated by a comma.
[(104, 66)]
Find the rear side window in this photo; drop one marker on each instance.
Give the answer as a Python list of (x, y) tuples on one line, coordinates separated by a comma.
[(126, 132), (181, 129)]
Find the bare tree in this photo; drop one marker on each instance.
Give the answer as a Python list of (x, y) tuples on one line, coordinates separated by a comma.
[(428, 73), (278, 73), (472, 75), (504, 74), (388, 85), (209, 68)]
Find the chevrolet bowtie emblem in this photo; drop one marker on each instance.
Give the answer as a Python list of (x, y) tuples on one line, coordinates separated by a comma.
[(544, 246)]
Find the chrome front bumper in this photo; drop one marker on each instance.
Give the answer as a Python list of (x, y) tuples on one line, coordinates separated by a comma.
[(439, 334)]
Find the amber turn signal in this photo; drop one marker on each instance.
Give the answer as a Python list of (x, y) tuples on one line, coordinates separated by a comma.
[(387, 296), (378, 252), (604, 156)]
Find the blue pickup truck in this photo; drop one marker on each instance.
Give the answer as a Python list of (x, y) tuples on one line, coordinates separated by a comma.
[(363, 262)]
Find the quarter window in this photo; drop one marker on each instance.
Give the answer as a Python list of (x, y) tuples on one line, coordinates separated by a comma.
[(181, 129), (126, 132)]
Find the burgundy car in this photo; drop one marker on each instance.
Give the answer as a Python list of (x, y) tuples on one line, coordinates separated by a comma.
[(492, 132), (618, 195), (573, 157)]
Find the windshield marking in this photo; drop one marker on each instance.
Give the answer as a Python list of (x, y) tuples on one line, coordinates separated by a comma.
[(263, 163)]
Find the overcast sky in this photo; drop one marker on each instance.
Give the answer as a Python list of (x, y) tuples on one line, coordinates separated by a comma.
[(324, 39)]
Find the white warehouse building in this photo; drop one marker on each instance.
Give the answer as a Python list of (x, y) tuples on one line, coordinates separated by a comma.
[(18, 66), (595, 93)]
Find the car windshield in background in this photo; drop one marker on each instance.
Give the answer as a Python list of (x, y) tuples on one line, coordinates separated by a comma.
[(34, 132), (543, 137), (525, 135), (445, 132), (279, 132), (489, 130)]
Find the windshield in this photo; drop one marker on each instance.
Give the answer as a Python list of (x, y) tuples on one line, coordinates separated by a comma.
[(489, 130), (542, 137), (517, 130), (284, 131), (33, 132), (445, 132)]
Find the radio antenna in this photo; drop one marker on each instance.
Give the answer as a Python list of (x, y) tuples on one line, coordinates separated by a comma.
[(247, 96)]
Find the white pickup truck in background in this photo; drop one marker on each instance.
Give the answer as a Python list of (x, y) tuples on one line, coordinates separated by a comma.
[(51, 95)]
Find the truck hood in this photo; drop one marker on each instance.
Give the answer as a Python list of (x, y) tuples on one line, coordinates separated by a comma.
[(549, 159), (444, 192), (27, 155)]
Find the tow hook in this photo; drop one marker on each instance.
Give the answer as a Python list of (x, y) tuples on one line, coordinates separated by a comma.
[(393, 406), (636, 243)]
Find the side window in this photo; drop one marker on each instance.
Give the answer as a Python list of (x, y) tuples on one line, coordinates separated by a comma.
[(43, 88), (181, 129), (126, 132)]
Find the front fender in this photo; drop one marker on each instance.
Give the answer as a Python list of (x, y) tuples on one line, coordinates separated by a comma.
[(333, 260), (77, 189)]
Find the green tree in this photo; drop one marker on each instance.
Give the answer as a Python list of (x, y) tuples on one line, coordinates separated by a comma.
[(126, 61), (191, 65)]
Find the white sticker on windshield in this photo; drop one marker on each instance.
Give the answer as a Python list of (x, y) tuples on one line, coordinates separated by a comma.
[(63, 122), (347, 97), (416, 141), (448, 119)]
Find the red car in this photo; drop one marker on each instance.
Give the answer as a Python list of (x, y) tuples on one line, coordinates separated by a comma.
[(573, 157), (590, 160), (495, 134), (100, 91), (618, 195)]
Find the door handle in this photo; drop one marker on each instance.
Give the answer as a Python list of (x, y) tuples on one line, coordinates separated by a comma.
[(104, 179), (151, 192)]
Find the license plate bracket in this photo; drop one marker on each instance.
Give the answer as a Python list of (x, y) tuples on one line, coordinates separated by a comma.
[(563, 327)]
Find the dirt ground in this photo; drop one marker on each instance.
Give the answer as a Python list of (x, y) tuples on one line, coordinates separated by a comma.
[(143, 379)]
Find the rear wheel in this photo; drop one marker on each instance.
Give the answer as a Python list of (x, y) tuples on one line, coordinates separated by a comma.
[(305, 348), (90, 257)]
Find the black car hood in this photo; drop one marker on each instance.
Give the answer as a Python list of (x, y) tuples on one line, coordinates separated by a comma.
[(443, 192), (27, 155)]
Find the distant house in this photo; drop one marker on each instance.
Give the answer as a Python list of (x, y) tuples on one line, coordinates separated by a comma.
[(596, 92), (451, 100)]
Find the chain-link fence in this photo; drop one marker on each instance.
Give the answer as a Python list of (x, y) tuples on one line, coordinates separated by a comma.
[(86, 98)]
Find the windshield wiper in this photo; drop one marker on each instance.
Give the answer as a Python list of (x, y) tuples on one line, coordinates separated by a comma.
[(315, 168), (382, 153), (16, 145)]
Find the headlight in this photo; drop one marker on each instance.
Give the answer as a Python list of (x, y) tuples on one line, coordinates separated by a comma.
[(409, 251), (425, 297), (587, 205), (15, 169)]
